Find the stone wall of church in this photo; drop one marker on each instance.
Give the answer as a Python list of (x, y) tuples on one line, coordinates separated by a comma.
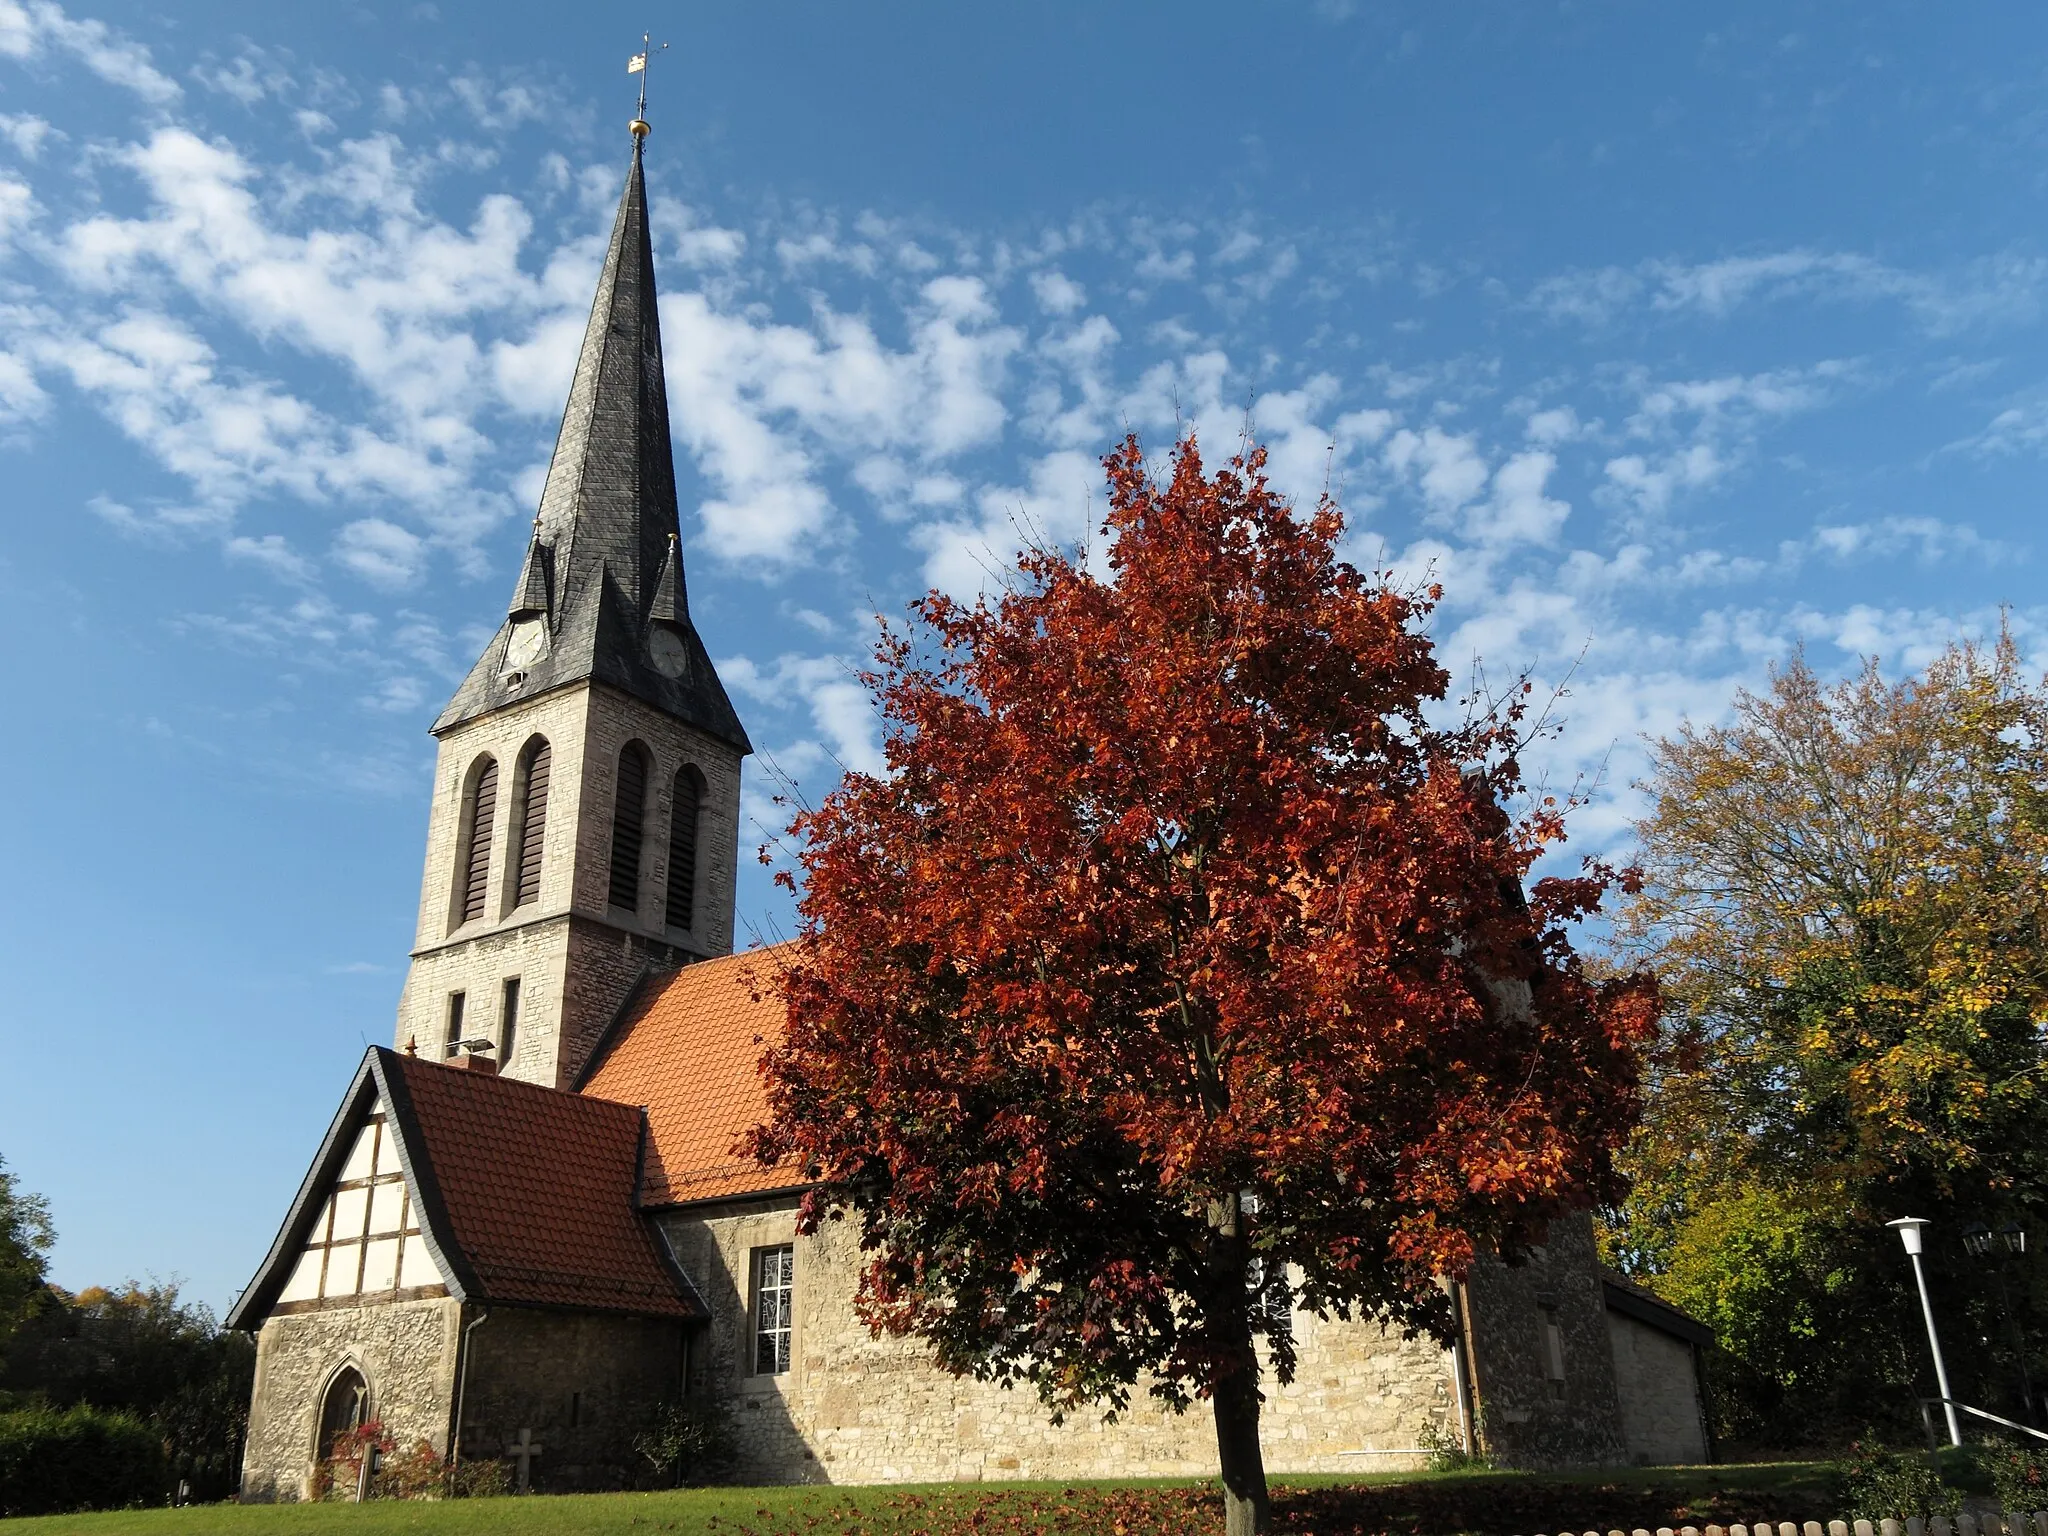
[(574, 954), (406, 1352), (1658, 1379), (615, 719), (857, 1409), (581, 1385), (1542, 1363)]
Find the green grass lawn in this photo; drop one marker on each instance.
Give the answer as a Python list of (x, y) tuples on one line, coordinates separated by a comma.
[(1395, 1504)]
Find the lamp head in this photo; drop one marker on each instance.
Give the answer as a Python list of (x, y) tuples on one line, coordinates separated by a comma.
[(1908, 1228), (1977, 1239), (2015, 1237)]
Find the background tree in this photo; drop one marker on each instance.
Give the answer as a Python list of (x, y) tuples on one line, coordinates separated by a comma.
[(138, 1360), (146, 1352), (1176, 974), (1844, 895), (25, 1239)]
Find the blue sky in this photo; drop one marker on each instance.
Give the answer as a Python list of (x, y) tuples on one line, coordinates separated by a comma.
[(1673, 340)]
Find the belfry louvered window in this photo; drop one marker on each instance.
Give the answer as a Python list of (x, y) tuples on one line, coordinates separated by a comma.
[(482, 810), (682, 848), (533, 819), (629, 821)]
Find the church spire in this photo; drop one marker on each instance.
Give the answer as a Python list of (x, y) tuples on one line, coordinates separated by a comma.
[(606, 535), (612, 485)]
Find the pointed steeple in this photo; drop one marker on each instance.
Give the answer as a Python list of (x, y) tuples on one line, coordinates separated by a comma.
[(612, 485), (605, 540)]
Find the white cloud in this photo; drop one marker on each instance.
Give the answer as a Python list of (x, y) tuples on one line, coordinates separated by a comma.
[(28, 27), (1446, 466), (840, 708), (1703, 429), (1927, 539), (21, 397), (1518, 511), (759, 403), (1998, 290), (273, 554), (1057, 293), (1058, 504), (383, 554), (1559, 424), (26, 132)]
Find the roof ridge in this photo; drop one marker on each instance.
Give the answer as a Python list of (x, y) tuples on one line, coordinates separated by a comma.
[(500, 1077)]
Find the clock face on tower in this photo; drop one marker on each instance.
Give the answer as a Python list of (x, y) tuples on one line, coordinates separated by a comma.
[(671, 656), (528, 643)]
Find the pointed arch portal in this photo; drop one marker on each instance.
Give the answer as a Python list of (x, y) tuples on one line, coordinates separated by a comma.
[(343, 1410)]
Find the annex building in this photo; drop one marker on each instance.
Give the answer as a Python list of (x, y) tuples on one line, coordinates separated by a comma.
[(526, 1227)]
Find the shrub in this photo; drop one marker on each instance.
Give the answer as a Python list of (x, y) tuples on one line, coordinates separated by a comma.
[(486, 1478), (415, 1473), (1877, 1484), (687, 1442), (53, 1462), (1447, 1451), (2019, 1478)]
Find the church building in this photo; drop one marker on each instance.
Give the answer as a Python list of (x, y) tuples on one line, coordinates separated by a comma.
[(526, 1228)]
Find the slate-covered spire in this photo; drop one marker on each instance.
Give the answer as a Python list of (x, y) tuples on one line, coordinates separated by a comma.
[(606, 536), (612, 485)]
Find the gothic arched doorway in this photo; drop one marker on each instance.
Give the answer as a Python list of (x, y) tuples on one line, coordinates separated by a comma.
[(343, 1409)]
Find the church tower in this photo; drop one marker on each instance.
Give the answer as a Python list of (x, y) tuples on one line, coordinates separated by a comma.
[(585, 822)]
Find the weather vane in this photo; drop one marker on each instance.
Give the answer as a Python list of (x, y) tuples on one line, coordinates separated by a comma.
[(637, 65)]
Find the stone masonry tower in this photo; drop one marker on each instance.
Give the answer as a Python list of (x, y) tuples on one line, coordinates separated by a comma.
[(585, 821)]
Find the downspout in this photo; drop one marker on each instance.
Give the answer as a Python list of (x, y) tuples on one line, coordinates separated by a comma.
[(462, 1389), (1461, 1369)]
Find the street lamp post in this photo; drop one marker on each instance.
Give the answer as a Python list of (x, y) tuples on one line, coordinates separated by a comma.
[(1908, 1228)]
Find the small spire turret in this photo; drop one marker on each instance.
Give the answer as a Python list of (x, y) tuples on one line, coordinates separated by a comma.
[(531, 598), (670, 606)]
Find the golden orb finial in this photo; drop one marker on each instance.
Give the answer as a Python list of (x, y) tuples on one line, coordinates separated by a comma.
[(640, 127)]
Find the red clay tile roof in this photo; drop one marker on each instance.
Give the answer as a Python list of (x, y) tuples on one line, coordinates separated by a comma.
[(536, 1189), (689, 1049)]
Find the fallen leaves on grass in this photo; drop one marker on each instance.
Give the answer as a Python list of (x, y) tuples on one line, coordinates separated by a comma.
[(1506, 1509)]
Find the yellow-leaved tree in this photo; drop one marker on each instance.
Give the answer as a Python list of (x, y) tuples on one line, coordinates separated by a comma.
[(1846, 896)]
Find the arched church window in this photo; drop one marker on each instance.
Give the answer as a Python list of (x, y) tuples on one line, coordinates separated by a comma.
[(534, 761), (344, 1409), (477, 816), (629, 822), (687, 804)]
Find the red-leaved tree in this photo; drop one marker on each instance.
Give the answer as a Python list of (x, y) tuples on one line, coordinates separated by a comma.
[(1180, 969)]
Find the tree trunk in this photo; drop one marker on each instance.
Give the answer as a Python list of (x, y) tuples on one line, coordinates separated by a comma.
[(1247, 1511), (1234, 1391)]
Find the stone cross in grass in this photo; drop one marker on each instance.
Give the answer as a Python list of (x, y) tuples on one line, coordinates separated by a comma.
[(523, 1450)]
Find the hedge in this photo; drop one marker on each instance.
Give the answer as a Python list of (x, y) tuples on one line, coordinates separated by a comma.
[(53, 1462)]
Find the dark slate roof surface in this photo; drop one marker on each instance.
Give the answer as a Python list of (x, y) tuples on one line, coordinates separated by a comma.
[(608, 515)]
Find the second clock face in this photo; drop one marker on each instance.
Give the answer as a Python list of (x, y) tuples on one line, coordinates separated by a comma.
[(671, 656), (529, 641)]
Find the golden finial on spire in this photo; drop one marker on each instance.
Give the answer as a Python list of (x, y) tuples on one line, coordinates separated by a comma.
[(637, 65)]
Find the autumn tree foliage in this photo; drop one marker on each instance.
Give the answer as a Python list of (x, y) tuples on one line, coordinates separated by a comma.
[(1180, 969), (1846, 896)]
